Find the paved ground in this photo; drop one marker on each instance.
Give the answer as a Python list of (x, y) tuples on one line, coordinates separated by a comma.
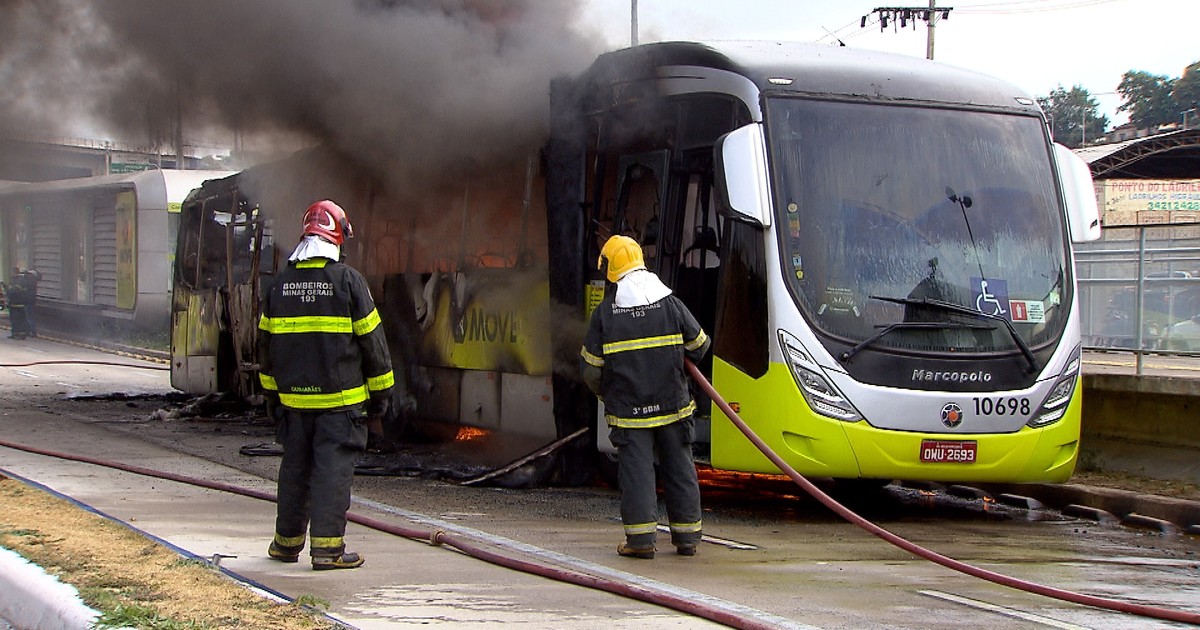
[(834, 576), (404, 582)]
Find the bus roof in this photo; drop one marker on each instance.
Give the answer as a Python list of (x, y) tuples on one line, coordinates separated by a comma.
[(164, 186), (803, 69)]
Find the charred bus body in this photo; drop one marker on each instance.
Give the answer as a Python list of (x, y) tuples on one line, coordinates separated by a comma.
[(880, 247), (458, 274)]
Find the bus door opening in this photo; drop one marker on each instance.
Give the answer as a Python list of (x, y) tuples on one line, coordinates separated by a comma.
[(698, 265), (641, 197)]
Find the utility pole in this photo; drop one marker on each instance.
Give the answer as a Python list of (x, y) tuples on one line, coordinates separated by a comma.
[(929, 24), (931, 15), (179, 161), (633, 23)]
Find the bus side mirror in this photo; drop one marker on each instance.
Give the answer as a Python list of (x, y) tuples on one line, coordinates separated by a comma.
[(1083, 215), (741, 170)]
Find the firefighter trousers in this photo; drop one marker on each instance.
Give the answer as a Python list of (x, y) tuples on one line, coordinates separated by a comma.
[(319, 452), (18, 320), (637, 448)]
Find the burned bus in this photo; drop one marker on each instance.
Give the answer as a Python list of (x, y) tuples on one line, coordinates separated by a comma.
[(879, 246)]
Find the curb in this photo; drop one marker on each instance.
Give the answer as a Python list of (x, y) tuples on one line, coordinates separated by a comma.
[(32, 598), (1181, 513), (119, 349), (40, 601)]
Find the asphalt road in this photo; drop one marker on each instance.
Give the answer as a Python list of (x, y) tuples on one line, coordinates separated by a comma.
[(775, 555)]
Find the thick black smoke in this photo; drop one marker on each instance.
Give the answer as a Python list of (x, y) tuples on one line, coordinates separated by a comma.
[(418, 88)]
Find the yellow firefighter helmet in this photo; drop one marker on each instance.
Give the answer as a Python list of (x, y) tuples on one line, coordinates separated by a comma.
[(623, 255)]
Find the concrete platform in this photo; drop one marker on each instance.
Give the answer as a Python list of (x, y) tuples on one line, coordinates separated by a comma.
[(403, 583)]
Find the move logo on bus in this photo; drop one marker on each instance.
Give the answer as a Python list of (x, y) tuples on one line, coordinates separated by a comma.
[(478, 325)]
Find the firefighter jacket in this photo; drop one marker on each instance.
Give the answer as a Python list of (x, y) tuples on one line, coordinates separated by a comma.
[(639, 352), (16, 293), (321, 346)]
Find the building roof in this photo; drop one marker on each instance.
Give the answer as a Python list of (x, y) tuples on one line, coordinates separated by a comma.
[(1173, 155)]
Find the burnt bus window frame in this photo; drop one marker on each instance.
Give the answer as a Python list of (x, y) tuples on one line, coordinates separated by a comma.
[(200, 261)]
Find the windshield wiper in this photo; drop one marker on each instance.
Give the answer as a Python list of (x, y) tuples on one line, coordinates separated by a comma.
[(962, 310), (911, 325)]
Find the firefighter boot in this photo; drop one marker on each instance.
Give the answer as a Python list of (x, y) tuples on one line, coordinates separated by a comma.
[(342, 560), (630, 551), (284, 553)]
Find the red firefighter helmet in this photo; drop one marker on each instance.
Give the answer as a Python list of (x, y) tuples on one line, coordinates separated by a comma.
[(327, 220)]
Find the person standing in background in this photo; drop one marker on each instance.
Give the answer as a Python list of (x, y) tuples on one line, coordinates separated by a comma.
[(18, 313), (31, 279)]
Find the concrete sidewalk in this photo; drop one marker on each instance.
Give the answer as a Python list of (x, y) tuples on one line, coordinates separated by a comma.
[(403, 583), (408, 583)]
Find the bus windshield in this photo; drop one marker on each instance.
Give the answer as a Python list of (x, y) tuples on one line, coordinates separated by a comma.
[(893, 218)]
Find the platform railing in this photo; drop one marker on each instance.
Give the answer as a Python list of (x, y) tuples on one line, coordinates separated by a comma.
[(1139, 290)]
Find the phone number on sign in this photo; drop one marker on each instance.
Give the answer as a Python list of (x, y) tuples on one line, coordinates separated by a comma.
[(1173, 205)]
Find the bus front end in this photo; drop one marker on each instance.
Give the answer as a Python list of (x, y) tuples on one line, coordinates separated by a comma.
[(903, 292)]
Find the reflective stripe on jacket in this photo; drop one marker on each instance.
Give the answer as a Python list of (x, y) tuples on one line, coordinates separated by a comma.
[(639, 352), (320, 344)]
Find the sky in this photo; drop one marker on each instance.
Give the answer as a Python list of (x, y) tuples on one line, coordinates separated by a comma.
[(1037, 45), (402, 78)]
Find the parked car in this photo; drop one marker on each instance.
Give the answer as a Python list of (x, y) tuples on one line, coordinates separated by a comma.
[(1119, 329), (1184, 335)]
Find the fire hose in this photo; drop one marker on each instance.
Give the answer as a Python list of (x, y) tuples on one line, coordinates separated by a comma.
[(913, 548), (646, 593), (439, 537), (86, 362)]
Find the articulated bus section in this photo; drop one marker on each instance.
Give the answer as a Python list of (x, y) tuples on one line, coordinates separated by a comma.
[(818, 209)]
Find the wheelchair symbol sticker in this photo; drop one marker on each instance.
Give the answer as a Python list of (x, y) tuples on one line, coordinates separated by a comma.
[(991, 296)]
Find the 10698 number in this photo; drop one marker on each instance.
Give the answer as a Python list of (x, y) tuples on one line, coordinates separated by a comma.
[(1002, 406)]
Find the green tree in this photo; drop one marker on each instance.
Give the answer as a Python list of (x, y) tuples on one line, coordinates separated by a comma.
[(1147, 99), (1074, 115), (1186, 94)]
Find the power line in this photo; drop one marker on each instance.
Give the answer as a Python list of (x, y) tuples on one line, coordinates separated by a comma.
[(1031, 6), (901, 16), (883, 16), (904, 15), (1011, 7)]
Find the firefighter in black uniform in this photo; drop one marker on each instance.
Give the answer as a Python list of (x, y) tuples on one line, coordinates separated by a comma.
[(18, 305), (325, 368), (632, 358)]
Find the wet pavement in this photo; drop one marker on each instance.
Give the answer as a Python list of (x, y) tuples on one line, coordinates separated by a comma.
[(774, 555)]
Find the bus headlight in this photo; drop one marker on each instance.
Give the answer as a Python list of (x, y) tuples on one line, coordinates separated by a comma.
[(820, 394), (1055, 405)]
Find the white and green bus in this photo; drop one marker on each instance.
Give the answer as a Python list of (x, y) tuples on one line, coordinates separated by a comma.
[(879, 246)]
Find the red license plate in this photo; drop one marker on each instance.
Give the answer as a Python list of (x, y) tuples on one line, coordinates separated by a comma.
[(948, 451)]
